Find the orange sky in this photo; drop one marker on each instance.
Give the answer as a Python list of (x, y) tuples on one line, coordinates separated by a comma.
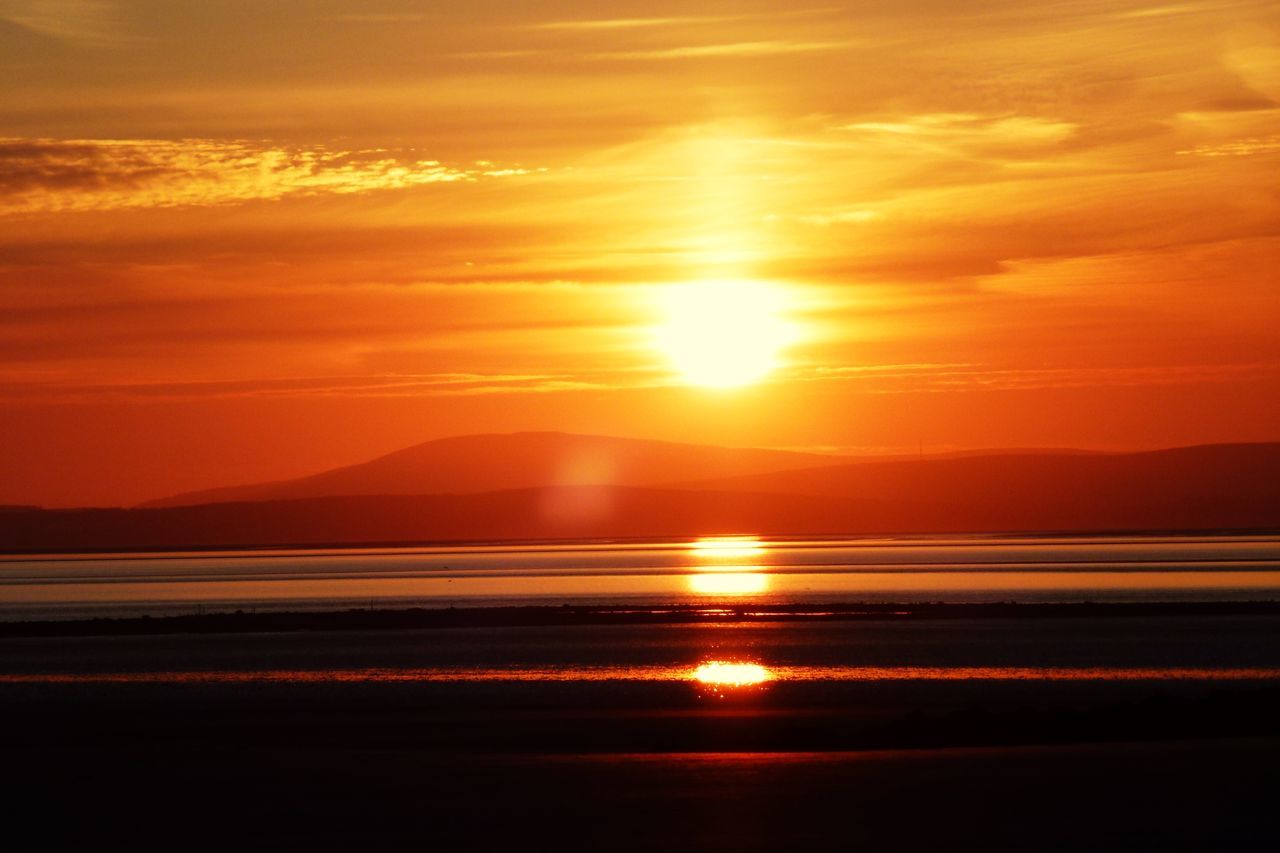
[(243, 241)]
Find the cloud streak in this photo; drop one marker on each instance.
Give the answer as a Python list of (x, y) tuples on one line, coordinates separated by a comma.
[(55, 175), (91, 22), (727, 50), (944, 378), (310, 387), (1237, 148), (629, 23)]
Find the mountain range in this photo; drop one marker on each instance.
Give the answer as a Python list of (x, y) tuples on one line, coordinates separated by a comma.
[(526, 460), (532, 486)]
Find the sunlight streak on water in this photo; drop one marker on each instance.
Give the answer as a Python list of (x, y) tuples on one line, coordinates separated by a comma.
[(727, 547), (731, 674), (729, 583), (722, 569), (722, 673), (1099, 568)]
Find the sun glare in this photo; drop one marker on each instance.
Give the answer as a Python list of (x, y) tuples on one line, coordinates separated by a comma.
[(724, 334)]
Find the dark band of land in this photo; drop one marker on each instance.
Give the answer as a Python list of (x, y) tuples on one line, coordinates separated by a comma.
[(412, 618)]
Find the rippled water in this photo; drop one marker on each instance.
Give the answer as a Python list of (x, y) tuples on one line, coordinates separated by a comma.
[(739, 568)]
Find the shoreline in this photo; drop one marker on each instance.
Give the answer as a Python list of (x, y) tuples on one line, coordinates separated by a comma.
[(419, 618), (144, 551)]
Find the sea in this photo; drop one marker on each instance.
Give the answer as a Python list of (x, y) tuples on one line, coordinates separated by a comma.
[(711, 571), (1049, 728)]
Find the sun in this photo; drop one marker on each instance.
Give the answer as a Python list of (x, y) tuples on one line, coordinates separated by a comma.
[(724, 334)]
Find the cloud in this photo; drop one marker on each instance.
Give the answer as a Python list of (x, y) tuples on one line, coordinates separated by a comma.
[(941, 378), (730, 49), (380, 385), (598, 24), (838, 217), (967, 129), (177, 336), (380, 17), (1175, 9), (1237, 148), (56, 175), (630, 23), (91, 22)]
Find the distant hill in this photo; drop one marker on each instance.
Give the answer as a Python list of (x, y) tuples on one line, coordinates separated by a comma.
[(565, 512), (1051, 489), (485, 463), (1220, 487)]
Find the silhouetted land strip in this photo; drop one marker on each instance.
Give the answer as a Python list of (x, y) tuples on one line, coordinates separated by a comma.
[(65, 551), (500, 617), (1214, 487)]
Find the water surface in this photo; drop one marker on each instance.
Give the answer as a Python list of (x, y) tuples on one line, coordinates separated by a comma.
[(737, 568)]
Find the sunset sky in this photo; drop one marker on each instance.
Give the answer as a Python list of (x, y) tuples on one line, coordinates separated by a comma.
[(244, 241)]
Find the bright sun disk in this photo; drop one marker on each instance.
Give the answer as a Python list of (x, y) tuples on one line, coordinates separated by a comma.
[(724, 334)]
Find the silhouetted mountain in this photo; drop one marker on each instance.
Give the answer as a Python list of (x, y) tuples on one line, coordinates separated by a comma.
[(1224, 487), (564, 512), (1231, 485), (485, 463)]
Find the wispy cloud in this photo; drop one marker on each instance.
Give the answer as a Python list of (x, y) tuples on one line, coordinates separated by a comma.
[(51, 175), (379, 17), (730, 49), (631, 23), (378, 385), (967, 127), (941, 378), (1173, 9), (92, 22), (597, 24), (1237, 148)]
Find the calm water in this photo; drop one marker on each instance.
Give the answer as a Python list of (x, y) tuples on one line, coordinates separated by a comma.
[(738, 569), (715, 734)]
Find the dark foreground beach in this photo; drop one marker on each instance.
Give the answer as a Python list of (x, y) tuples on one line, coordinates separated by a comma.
[(1059, 727)]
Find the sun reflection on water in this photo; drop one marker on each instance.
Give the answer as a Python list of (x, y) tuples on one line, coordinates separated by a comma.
[(728, 674), (720, 678), (722, 568), (729, 583), (727, 547)]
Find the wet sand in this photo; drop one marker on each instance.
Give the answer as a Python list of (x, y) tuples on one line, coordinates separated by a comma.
[(1095, 727), (1167, 796)]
